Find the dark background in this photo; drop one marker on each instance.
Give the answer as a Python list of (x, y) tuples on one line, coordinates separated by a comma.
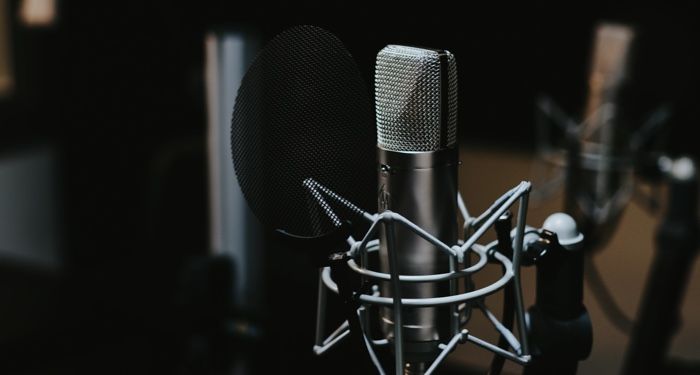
[(116, 88)]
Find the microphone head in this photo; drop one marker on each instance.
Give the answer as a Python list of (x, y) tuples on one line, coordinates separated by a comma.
[(415, 99), (610, 55), (609, 66)]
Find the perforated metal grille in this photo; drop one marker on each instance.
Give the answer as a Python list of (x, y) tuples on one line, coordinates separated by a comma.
[(304, 112), (408, 98)]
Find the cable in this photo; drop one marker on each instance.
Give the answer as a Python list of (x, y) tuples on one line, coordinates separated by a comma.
[(601, 293)]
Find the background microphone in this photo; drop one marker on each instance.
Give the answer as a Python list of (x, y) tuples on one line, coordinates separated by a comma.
[(416, 111), (600, 181)]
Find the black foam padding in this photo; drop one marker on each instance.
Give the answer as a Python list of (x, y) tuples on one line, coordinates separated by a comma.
[(303, 111)]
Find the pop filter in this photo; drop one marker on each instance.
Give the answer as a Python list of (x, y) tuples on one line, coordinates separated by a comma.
[(303, 122)]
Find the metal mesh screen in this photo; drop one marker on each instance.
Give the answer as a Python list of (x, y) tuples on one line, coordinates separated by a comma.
[(408, 96)]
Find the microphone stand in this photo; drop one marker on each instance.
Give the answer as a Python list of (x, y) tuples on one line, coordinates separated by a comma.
[(559, 326), (677, 239)]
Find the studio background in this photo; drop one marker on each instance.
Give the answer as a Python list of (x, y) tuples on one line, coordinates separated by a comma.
[(104, 252)]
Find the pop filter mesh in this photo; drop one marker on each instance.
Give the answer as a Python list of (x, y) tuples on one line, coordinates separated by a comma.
[(303, 111)]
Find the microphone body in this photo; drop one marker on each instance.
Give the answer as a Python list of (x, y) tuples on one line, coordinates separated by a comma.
[(416, 99), (423, 188)]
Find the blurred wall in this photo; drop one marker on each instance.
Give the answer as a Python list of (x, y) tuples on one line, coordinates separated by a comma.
[(624, 262)]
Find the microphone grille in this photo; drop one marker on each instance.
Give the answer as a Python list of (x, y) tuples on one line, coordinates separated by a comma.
[(416, 99)]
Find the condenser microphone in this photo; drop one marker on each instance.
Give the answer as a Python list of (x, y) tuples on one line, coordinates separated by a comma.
[(416, 114), (604, 169)]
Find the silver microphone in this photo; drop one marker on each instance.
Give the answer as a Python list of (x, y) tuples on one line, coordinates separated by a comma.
[(605, 166), (416, 109)]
